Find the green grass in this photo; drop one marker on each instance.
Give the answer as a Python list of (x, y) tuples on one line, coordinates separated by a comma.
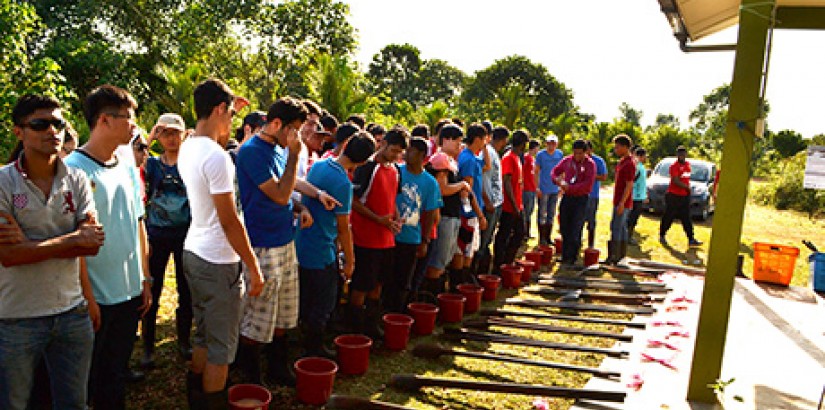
[(164, 386)]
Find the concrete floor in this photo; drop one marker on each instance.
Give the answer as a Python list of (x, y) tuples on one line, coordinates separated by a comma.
[(775, 350)]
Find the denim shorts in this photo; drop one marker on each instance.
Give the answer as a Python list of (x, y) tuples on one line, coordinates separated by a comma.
[(445, 246), (216, 305)]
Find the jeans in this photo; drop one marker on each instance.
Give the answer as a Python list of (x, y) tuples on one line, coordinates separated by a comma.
[(547, 209), (318, 295), (113, 348), (508, 239), (529, 200), (676, 206), (487, 234), (65, 340), (633, 218), (618, 225), (162, 248), (420, 269), (571, 221)]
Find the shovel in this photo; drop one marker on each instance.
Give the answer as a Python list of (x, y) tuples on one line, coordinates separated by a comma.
[(411, 382), (570, 318), (433, 351), (485, 323), (337, 401), (466, 334)]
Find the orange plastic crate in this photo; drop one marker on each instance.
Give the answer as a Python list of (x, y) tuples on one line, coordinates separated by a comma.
[(774, 263)]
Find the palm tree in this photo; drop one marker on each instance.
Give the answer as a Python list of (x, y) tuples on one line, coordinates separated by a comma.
[(336, 85)]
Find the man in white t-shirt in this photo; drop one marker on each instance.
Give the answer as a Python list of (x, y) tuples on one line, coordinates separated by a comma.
[(215, 243)]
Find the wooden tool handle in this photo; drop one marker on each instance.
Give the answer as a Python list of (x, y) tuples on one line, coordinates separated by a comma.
[(412, 383), (356, 403)]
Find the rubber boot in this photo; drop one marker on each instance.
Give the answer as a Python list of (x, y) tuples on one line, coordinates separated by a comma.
[(248, 362), (279, 368), (484, 261), (622, 248), (611, 253), (147, 331), (194, 390), (430, 289), (468, 277), (543, 234), (355, 319), (372, 320), (183, 325), (314, 343), (455, 277), (218, 400)]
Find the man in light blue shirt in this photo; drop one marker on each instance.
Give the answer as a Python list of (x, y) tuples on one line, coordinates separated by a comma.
[(120, 272), (639, 193), (547, 192)]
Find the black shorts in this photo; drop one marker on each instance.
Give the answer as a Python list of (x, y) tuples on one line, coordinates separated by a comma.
[(372, 267)]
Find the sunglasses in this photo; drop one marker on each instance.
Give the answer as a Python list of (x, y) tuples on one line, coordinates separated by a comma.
[(42, 124)]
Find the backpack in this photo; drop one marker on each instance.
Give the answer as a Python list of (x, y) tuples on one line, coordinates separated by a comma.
[(168, 207)]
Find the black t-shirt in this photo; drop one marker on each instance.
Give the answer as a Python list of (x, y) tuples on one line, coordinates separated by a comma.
[(452, 203)]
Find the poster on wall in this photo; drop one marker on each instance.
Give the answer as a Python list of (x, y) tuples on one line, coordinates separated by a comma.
[(815, 168)]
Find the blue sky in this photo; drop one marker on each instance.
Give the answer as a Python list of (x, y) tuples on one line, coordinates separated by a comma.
[(606, 51)]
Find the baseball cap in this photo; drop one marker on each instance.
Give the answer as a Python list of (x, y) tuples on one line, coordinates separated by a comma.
[(681, 148), (171, 120), (551, 138), (441, 162)]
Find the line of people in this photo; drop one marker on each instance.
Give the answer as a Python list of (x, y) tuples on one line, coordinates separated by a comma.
[(268, 231)]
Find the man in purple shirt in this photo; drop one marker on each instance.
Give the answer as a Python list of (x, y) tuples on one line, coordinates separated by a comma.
[(574, 176)]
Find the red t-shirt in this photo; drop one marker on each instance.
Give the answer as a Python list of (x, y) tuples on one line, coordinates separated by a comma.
[(681, 171), (625, 174), (511, 165), (376, 186), (529, 169)]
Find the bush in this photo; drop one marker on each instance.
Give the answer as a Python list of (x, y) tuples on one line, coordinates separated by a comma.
[(785, 191)]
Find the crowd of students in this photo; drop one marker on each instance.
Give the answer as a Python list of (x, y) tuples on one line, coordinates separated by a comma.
[(268, 230)]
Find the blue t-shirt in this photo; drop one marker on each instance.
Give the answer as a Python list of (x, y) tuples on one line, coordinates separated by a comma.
[(116, 271), (315, 245), (601, 169), (547, 162), (640, 183), (418, 193), (268, 224), (469, 165)]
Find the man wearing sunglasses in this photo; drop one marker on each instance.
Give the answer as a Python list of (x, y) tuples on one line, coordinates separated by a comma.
[(46, 223), (119, 273)]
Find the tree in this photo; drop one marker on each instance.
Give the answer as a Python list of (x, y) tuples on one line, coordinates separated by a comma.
[(432, 113), (563, 125), (21, 71), (311, 27), (335, 84), (630, 114), (667, 119), (787, 143), (438, 80), (546, 97), (394, 73)]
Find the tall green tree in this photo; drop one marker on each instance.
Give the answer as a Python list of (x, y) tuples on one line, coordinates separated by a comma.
[(438, 80), (394, 72), (22, 71), (630, 114), (787, 143), (546, 97), (336, 85)]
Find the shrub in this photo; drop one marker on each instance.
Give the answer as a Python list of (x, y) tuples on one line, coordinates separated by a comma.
[(785, 190)]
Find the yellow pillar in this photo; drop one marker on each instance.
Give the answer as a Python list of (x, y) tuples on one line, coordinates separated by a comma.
[(754, 23)]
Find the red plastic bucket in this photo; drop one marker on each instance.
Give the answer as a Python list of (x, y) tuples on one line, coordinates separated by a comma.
[(353, 353), (249, 397), (423, 317), (315, 377), (535, 257), (547, 253), (473, 294), (511, 276), (591, 256), (558, 244), (490, 284), (397, 331), (452, 307), (527, 270)]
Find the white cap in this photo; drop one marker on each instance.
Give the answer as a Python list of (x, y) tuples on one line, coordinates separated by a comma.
[(551, 138), (170, 120)]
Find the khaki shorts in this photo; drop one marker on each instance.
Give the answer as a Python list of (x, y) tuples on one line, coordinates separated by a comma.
[(277, 306), (216, 305)]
